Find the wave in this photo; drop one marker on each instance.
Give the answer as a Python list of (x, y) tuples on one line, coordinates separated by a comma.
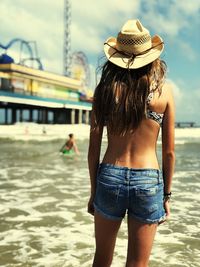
[(50, 139), (187, 142)]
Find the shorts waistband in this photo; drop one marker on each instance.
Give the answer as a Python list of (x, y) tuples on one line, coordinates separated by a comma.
[(150, 172)]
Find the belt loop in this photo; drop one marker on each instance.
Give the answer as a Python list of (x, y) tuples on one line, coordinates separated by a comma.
[(99, 168), (158, 176), (128, 174)]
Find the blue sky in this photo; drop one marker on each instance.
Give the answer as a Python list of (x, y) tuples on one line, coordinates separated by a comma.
[(178, 22)]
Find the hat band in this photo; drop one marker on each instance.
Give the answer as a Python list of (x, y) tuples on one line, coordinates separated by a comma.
[(135, 41), (131, 55)]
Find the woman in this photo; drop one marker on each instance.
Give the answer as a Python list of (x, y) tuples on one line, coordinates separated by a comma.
[(133, 101)]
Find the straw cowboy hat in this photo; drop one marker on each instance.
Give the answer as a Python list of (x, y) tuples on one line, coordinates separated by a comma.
[(134, 47)]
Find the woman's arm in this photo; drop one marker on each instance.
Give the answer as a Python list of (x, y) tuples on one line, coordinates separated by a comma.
[(168, 155), (93, 158)]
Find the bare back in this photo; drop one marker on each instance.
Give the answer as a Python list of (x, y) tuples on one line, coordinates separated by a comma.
[(69, 144), (138, 150)]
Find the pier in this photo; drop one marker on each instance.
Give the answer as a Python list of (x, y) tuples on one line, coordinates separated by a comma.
[(32, 95), (184, 124)]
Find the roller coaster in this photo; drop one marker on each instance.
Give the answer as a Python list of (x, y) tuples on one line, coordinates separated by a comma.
[(5, 58)]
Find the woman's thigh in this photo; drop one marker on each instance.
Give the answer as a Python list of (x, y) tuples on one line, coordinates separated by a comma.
[(105, 236), (140, 241)]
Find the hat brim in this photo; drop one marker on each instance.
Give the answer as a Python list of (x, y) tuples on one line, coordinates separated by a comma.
[(140, 60)]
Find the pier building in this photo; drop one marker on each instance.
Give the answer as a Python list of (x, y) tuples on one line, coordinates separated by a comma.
[(33, 95)]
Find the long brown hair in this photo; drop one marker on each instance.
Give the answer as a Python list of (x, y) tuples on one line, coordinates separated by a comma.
[(120, 98)]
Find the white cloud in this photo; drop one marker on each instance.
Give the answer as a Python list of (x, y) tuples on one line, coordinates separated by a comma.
[(104, 14), (188, 7), (178, 95), (21, 23), (186, 102), (190, 108), (188, 51), (170, 17), (86, 40), (91, 26)]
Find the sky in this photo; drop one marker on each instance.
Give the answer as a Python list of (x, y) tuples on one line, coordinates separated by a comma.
[(92, 22)]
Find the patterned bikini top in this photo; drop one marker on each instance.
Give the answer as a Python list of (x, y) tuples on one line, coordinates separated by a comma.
[(157, 117)]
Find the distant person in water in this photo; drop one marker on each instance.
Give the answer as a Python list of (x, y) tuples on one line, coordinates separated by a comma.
[(44, 130), (70, 146)]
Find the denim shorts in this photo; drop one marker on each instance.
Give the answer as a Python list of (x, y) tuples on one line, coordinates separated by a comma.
[(139, 192)]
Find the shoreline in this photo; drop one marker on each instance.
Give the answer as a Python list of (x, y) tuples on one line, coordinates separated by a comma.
[(48, 132), (42, 132)]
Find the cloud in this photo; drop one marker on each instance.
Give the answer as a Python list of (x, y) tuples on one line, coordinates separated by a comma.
[(190, 108), (187, 50), (91, 27), (170, 17), (33, 21), (104, 14), (86, 40), (188, 7), (178, 95), (186, 102)]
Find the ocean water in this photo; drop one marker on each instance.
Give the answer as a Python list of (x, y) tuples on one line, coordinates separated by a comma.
[(43, 200)]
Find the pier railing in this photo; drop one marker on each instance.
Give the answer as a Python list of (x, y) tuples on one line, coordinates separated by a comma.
[(184, 124)]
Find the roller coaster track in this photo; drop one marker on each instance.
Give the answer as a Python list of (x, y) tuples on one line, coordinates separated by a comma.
[(29, 48)]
